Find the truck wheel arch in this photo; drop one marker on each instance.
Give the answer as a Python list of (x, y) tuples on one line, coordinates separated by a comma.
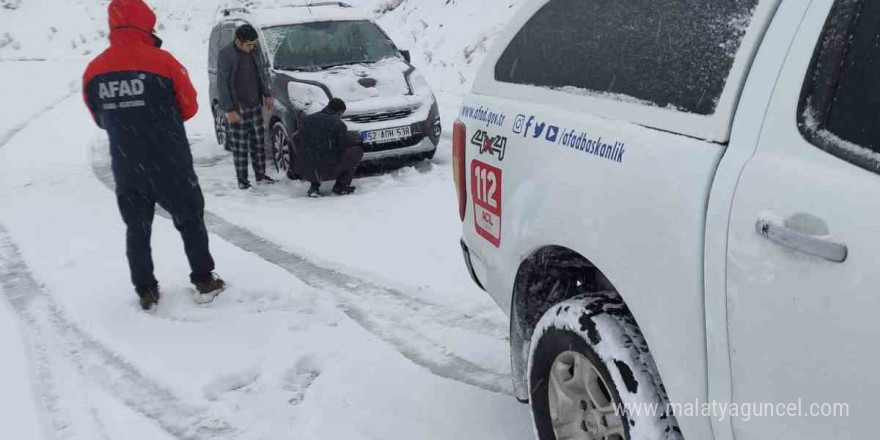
[(546, 277)]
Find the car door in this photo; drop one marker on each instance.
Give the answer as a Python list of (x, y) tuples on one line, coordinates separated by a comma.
[(803, 244)]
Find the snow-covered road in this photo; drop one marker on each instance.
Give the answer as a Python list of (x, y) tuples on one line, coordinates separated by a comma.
[(423, 331), (345, 317), (292, 349)]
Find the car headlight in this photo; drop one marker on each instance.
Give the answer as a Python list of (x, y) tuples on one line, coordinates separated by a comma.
[(418, 83), (438, 129), (309, 98)]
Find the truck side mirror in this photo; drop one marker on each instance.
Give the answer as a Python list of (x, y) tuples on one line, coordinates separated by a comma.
[(406, 56)]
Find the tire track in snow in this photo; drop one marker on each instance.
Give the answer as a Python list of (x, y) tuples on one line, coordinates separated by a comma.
[(55, 337), (391, 320), (66, 399), (387, 314), (7, 136)]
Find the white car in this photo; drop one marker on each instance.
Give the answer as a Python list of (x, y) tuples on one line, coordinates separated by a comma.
[(674, 203), (322, 50)]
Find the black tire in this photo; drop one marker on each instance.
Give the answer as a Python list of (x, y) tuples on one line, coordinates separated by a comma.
[(221, 128), (601, 330), (280, 148), (429, 155)]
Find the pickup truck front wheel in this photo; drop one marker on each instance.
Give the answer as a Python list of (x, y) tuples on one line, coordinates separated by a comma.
[(592, 378)]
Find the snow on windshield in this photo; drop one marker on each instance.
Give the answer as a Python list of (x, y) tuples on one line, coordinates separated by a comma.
[(319, 45)]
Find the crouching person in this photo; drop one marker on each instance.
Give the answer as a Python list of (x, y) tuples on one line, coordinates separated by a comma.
[(325, 152)]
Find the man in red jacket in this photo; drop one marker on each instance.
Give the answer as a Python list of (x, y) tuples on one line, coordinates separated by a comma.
[(141, 96)]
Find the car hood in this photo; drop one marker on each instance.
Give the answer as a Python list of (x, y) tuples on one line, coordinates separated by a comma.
[(361, 82)]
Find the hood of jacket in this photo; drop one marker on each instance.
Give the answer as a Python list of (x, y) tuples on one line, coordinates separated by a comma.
[(130, 20)]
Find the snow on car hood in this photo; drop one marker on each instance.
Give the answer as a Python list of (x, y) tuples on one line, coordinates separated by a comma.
[(354, 84)]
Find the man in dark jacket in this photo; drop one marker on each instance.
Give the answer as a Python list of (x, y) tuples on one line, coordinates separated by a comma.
[(325, 152), (244, 94), (141, 95)]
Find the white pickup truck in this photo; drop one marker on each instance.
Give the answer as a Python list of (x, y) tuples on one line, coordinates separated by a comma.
[(673, 202)]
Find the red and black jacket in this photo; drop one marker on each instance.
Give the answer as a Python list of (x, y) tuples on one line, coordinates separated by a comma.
[(140, 95)]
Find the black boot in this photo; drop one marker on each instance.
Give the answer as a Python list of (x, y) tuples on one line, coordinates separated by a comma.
[(343, 190), (265, 180), (314, 190)]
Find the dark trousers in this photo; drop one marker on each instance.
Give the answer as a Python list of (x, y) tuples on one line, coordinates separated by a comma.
[(344, 170), (182, 197), (348, 163)]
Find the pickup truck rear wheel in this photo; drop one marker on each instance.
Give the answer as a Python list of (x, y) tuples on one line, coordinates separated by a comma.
[(588, 364)]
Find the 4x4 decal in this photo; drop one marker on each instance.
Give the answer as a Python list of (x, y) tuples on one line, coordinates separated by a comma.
[(489, 144)]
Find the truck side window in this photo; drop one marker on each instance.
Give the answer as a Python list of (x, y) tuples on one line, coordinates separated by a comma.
[(667, 53), (840, 105)]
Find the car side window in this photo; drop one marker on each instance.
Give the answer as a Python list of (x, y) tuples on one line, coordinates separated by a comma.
[(227, 34), (214, 46), (839, 110), (666, 53)]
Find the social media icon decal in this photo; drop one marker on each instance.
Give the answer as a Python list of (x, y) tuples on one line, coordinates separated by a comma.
[(539, 129), (518, 123), (529, 124), (552, 133)]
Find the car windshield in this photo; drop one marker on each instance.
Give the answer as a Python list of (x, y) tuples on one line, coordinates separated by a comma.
[(319, 45)]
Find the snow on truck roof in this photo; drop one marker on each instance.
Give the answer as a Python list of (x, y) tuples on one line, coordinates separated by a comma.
[(295, 13)]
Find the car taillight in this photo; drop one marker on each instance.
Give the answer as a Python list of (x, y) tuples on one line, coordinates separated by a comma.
[(459, 143)]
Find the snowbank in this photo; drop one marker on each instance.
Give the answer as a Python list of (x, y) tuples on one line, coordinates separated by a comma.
[(448, 40)]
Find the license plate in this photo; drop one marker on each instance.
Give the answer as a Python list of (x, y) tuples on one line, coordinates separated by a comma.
[(387, 135)]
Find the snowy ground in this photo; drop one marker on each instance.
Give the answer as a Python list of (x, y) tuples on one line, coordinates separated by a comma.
[(345, 318)]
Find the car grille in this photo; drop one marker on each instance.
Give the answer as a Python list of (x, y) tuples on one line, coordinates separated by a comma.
[(378, 117)]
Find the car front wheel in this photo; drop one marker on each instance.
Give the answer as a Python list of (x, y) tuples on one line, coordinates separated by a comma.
[(592, 378), (280, 147), (220, 128)]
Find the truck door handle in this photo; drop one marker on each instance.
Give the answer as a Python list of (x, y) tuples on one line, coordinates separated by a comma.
[(821, 246)]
